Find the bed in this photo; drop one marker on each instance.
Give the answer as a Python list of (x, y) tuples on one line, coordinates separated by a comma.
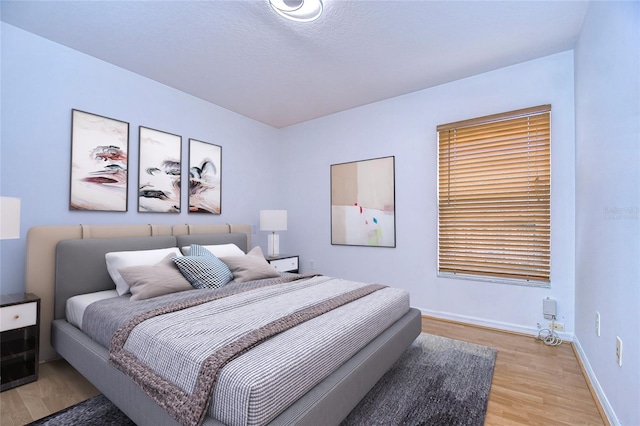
[(80, 268)]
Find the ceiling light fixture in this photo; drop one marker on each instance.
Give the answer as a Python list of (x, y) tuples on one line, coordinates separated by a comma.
[(298, 10)]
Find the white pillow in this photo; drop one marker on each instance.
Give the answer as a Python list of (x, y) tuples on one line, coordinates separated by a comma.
[(123, 259), (218, 250)]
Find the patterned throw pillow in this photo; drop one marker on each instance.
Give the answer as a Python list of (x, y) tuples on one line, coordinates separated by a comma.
[(202, 269), (198, 250)]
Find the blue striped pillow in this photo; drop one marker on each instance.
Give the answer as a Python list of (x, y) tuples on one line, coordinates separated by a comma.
[(203, 270)]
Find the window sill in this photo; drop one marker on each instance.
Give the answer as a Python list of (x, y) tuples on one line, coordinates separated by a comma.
[(525, 283)]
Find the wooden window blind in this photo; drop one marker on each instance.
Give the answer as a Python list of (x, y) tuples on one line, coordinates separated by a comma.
[(494, 196)]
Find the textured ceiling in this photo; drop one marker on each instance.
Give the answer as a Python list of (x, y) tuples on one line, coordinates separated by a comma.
[(244, 57)]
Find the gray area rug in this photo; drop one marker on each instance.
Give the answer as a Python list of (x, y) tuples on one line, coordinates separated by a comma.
[(96, 411), (437, 381)]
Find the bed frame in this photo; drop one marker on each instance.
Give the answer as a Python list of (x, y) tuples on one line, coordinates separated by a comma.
[(80, 268)]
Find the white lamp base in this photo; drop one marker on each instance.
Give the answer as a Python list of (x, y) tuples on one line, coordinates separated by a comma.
[(273, 242)]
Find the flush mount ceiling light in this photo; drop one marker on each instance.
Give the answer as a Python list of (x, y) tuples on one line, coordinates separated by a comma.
[(298, 10)]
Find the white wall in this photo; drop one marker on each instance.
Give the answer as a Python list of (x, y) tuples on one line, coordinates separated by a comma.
[(406, 128), (42, 81), (608, 202)]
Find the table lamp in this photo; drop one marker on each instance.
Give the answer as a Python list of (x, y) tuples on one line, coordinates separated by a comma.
[(273, 220)]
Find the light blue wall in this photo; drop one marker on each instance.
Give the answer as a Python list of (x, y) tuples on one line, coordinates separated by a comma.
[(608, 202), (42, 81), (595, 257), (405, 127)]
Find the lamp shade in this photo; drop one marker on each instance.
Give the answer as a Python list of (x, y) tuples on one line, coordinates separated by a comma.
[(9, 218), (273, 220)]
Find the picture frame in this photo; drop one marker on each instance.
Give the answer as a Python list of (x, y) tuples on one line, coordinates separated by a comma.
[(159, 171), (99, 163), (363, 203), (205, 177)]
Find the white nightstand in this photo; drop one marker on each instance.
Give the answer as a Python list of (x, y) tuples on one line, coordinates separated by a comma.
[(284, 263)]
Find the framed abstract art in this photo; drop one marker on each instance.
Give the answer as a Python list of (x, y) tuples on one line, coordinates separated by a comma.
[(205, 177), (159, 171), (99, 163), (363, 203)]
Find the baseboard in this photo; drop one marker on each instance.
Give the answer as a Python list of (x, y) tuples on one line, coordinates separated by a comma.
[(606, 411), (498, 325)]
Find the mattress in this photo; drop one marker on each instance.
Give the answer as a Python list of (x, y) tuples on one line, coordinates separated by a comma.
[(76, 305)]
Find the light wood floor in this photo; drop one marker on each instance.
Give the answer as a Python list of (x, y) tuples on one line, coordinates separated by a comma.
[(533, 384)]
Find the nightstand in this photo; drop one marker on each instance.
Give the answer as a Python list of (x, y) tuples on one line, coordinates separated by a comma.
[(19, 339), (284, 263)]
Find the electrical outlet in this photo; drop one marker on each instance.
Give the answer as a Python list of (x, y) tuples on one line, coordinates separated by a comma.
[(598, 323), (557, 326), (619, 350), (312, 265)]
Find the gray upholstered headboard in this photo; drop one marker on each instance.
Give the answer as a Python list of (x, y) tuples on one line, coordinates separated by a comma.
[(40, 264), (208, 239), (81, 266)]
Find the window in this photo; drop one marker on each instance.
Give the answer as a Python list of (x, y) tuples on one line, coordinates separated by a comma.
[(494, 197)]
